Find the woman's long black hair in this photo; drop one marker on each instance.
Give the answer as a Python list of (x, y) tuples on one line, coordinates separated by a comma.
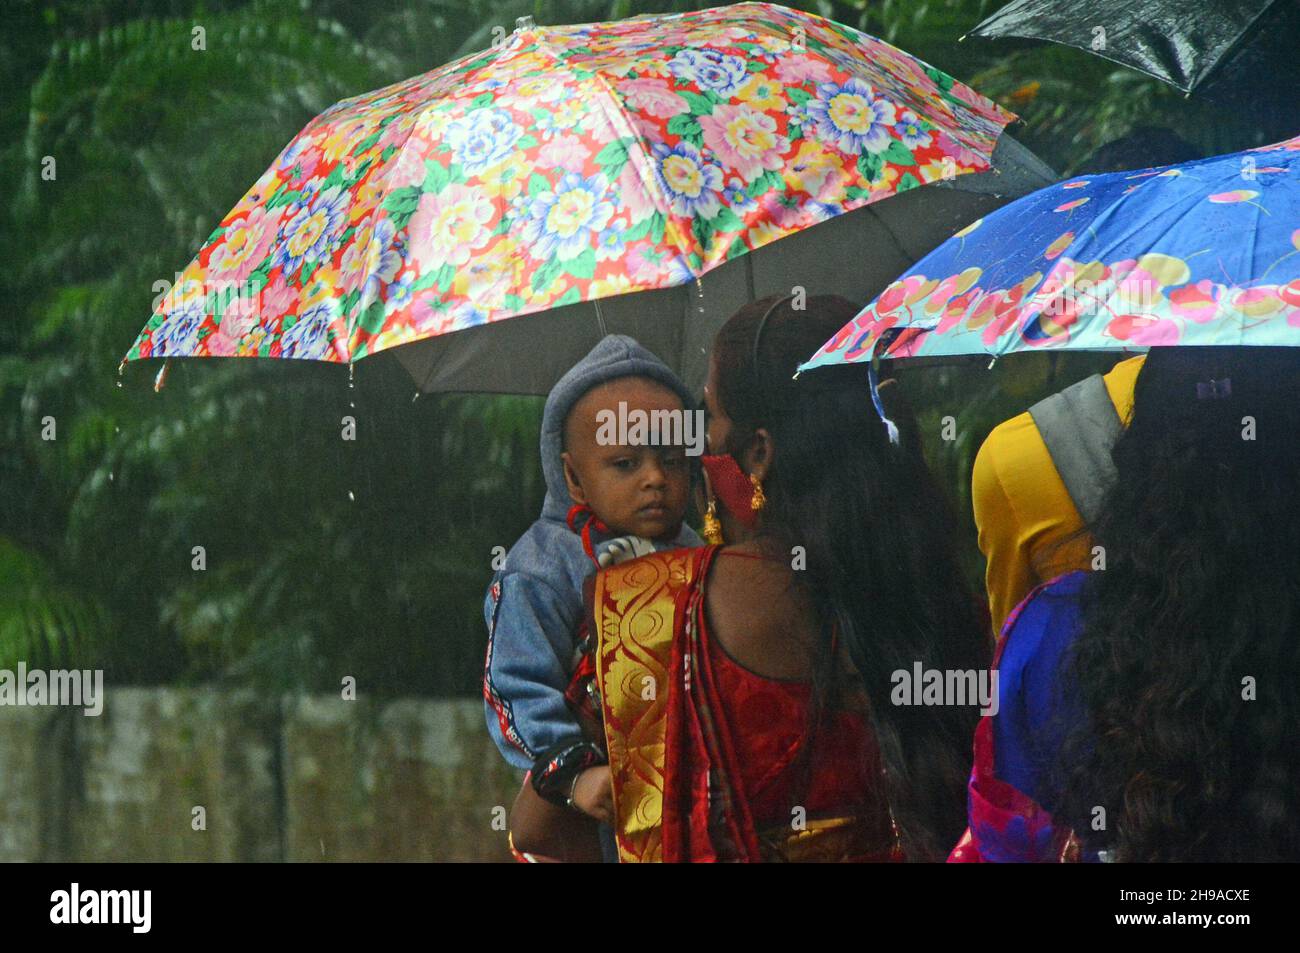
[(878, 538), (1188, 660)]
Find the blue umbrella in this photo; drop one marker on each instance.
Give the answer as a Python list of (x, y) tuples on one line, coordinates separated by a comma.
[(1200, 253)]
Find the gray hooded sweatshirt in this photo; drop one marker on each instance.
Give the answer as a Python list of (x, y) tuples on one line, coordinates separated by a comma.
[(534, 603)]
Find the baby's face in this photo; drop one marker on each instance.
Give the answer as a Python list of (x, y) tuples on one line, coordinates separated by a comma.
[(632, 488)]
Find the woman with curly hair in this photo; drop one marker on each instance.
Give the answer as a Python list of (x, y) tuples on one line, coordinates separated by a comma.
[(1150, 709)]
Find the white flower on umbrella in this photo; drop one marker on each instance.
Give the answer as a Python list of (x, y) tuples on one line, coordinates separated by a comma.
[(913, 130), (179, 331), (713, 70), (447, 226), (307, 338), (852, 117), (482, 138), (610, 242), (561, 223)]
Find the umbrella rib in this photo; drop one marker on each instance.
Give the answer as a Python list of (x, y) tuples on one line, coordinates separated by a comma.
[(619, 124), (374, 254)]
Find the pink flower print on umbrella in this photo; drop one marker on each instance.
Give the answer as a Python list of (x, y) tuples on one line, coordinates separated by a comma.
[(1197, 301), (653, 97), (745, 139), (248, 241), (449, 225)]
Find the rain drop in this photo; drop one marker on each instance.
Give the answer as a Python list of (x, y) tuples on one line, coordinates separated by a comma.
[(351, 497)]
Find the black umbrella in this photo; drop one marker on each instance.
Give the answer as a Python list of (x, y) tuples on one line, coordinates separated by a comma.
[(1181, 42)]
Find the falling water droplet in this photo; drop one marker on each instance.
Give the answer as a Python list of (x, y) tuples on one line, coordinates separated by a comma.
[(351, 497), (110, 476)]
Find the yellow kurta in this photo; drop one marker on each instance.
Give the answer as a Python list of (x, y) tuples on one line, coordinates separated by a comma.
[(1029, 529)]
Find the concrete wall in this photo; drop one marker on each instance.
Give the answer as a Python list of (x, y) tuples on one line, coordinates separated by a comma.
[(310, 778)]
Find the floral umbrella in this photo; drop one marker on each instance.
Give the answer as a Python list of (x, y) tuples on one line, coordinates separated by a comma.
[(1201, 253), (568, 165)]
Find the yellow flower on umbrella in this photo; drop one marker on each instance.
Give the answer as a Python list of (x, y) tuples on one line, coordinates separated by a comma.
[(491, 274), (506, 179), (615, 284), (323, 287), (369, 194), (543, 88), (762, 92), (814, 168), (342, 140), (763, 232)]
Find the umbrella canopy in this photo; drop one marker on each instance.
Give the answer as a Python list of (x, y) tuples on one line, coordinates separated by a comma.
[(500, 210), (1201, 253), (1182, 42)]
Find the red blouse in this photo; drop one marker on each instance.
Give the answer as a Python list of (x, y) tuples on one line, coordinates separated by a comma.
[(767, 720)]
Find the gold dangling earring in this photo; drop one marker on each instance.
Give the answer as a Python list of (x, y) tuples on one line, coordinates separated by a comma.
[(712, 530), (758, 500)]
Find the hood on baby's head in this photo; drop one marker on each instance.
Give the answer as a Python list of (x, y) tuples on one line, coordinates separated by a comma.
[(617, 355)]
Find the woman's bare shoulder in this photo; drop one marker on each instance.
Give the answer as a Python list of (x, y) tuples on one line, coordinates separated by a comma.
[(758, 615)]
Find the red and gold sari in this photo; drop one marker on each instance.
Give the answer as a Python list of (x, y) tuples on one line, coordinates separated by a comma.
[(701, 750)]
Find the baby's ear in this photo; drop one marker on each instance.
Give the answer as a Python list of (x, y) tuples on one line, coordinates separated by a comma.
[(571, 480)]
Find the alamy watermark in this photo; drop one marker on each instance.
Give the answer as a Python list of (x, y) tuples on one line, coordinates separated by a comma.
[(932, 686), (75, 905), (76, 688), (654, 428)]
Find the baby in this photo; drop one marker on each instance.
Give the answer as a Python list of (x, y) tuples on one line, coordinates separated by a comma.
[(605, 501)]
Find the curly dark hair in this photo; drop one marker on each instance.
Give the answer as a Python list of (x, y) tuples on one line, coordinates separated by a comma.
[(1188, 659), (877, 535)]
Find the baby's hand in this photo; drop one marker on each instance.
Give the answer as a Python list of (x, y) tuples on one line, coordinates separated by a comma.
[(624, 548), (594, 793)]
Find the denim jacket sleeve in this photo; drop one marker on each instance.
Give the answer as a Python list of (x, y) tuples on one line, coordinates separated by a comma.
[(531, 644)]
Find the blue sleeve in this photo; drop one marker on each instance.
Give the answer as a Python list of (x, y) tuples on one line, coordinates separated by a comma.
[(1036, 708), (531, 643)]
